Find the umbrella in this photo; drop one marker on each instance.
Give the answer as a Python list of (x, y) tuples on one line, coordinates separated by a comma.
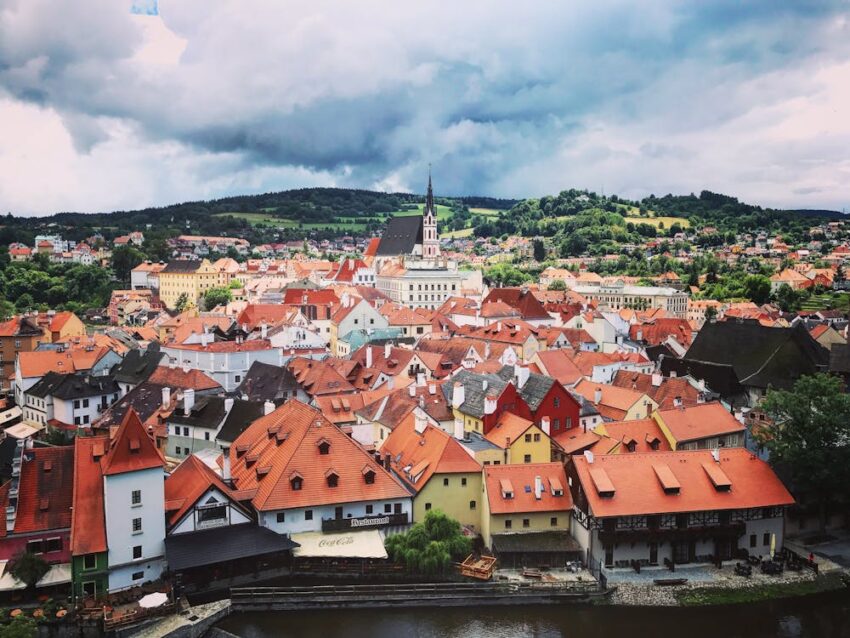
[(153, 600), (772, 545)]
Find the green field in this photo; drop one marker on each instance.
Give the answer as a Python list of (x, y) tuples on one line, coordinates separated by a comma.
[(278, 222), (657, 221), (486, 212), (457, 234), (443, 212), (827, 301)]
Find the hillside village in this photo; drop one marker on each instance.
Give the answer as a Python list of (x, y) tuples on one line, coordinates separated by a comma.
[(236, 412)]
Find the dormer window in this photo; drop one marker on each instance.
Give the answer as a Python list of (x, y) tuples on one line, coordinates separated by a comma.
[(324, 447), (332, 478), (369, 475), (296, 481)]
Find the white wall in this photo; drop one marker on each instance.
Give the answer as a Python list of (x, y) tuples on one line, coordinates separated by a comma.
[(295, 522), (188, 522)]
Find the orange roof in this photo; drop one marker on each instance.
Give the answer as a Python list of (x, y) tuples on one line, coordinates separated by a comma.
[(699, 422), (131, 449), (88, 519), (663, 394), (520, 480), (509, 426), (641, 432), (39, 363), (341, 408), (615, 400), (286, 444), (227, 346), (417, 457), (559, 365), (638, 488), (45, 490), (183, 379), (255, 314), (197, 325), (186, 484), (575, 440)]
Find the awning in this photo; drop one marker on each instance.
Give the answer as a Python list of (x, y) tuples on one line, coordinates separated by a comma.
[(221, 544), (535, 542), (364, 544), (56, 575)]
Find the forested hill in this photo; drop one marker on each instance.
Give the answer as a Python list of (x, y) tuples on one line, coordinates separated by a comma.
[(578, 221)]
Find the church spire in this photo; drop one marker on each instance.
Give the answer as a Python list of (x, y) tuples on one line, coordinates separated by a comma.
[(429, 199)]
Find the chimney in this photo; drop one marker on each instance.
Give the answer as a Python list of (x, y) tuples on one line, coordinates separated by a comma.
[(432, 388), (521, 373), (640, 335), (701, 397), (546, 425), (391, 383), (486, 350), (458, 428), (420, 422), (656, 380), (420, 379), (498, 326), (225, 465), (422, 402), (166, 398), (188, 401), (268, 407), (538, 488), (484, 385), (490, 404), (388, 350), (186, 368), (368, 356), (677, 402), (458, 395), (387, 458), (264, 330), (228, 405), (411, 390), (597, 396)]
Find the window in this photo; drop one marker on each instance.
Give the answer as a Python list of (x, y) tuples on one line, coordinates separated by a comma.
[(207, 436), (136, 497), (556, 402), (445, 482), (766, 539), (296, 483), (76, 404), (281, 517), (752, 540), (472, 505), (185, 431), (53, 545), (333, 480), (85, 403), (137, 525), (537, 437), (526, 458), (526, 522), (237, 378), (553, 522), (388, 508), (528, 438), (463, 482), (324, 448), (369, 509), (137, 552), (138, 575), (369, 476), (177, 450), (427, 506), (76, 420), (89, 561), (508, 523), (308, 515)]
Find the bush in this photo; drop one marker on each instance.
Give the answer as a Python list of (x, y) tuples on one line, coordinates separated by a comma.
[(430, 546)]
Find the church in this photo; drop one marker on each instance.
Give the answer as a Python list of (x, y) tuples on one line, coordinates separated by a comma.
[(413, 236)]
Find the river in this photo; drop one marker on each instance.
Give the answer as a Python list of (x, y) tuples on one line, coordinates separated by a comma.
[(818, 616)]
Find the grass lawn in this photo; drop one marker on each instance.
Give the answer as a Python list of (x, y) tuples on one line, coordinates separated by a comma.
[(254, 218), (726, 596), (486, 212), (657, 221), (457, 234), (828, 301), (263, 218), (443, 212)]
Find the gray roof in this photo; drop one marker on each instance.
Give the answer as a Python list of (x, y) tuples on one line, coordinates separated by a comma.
[(474, 391), (402, 234), (535, 388), (184, 266), (267, 382), (45, 386), (138, 365), (220, 544), (73, 386)]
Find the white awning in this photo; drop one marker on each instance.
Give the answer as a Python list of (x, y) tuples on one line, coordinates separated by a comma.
[(56, 575), (364, 544)]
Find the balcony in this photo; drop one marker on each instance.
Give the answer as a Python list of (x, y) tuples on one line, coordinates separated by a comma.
[(729, 530), (366, 522)]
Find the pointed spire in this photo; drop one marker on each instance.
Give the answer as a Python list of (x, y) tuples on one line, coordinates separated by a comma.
[(429, 199)]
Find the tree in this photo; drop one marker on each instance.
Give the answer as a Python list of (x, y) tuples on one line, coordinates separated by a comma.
[(558, 284), (757, 288), (505, 274), (539, 250), (429, 547), (710, 314), (809, 438), (28, 568), (787, 298), (124, 259), (182, 302), (217, 297), (20, 627)]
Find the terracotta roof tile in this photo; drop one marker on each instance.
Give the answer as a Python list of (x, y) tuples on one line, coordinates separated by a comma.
[(511, 488), (88, 519)]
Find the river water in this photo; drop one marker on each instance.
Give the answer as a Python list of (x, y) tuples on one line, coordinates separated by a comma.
[(818, 616)]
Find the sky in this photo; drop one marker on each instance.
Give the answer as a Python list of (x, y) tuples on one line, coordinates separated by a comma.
[(122, 104)]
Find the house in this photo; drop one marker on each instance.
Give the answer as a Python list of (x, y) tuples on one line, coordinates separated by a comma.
[(89, 552), (351, 271), (523, 301), (516, 440), (78, 400), (378, 418), (616, 404), (700, 427), (266, 382), (136, 366), (628, 437), (544, 400), (309, 476), (18, 334), (411, 322), (479, 399), (526, 517), (189, 277), (667, 392), (352, 315), (436, 468), (675, 507), (760, 357), (32, 366)]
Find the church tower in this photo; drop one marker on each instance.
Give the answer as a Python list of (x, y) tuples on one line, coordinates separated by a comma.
[(430, 239)]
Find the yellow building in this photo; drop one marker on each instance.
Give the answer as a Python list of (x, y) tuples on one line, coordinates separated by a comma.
[(519, 441), (440, 472), (526, 517), (189, 277)]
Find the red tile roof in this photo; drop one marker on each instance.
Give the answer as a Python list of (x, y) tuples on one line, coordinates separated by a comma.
[(178, 378), (45, 491), (638, 491), (664, 394), (131, 449), (88, 520), (509, 426), (559, 365), (699, 422), (186, 484), (255, 314), (286, 444), (77, 359), (511, 488), (641, 433), (522, 299)]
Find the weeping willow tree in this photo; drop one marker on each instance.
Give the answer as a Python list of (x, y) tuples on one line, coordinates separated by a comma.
[(430, 546)]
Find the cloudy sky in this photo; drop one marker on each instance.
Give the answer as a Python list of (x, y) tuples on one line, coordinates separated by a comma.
[(110, 104)]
